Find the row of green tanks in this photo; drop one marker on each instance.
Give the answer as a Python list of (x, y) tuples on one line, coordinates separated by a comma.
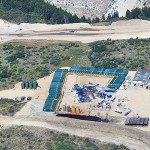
[(29, 85)]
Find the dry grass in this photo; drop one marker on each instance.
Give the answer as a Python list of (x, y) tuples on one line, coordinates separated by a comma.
[(37, 43)]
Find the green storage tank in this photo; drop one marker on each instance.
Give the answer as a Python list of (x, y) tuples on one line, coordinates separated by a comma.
[(23, 85), (35, 85), (27, 85), (31, 85)]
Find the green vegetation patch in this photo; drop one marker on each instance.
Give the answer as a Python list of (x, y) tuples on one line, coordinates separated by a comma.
[(40, 138), (9, 107), (29, 63), (129, 54)]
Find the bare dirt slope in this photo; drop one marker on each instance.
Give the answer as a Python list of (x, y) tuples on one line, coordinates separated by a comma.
[(81, 32)]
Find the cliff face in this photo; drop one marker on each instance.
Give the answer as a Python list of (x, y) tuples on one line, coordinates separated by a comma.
[(96, 8)]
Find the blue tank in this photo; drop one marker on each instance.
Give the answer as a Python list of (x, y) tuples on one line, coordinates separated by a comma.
[(109, 90)]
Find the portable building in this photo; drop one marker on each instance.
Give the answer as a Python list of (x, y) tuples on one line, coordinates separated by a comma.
[(137, 121), (141, 77)]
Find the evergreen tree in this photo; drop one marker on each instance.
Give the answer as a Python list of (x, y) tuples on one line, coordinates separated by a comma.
[(136, 13), (103, 17), (89, 20), (116, 14), (75, 19), (146, 12), (109, 17), (128, 14), (83, 19), (97, 20)]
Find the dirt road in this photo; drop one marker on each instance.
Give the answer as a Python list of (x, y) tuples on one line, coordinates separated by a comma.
[(81, 32), (110, 133)]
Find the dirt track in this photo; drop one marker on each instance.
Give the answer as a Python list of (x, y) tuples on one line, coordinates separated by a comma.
[(81, 32), (111, 133)]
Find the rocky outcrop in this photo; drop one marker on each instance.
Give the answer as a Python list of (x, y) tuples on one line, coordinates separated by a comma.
[(96, 8), (123, 5), (88, 8)]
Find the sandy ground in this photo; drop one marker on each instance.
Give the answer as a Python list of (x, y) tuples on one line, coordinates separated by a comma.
[(138, 99), (40, 93), (83, 32), (71, 80)]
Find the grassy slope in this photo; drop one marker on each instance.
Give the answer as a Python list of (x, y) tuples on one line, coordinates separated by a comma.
[(122, 54), (21, 62), (38, 59), (41, 138)]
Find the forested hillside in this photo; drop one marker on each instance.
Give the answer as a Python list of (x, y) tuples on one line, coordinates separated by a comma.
[(33, 11), (137, 13)]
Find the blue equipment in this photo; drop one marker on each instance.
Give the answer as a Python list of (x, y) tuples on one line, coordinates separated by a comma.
[(109, 90)]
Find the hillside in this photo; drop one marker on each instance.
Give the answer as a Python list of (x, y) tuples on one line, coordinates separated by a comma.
[(96, 8), (66, 11), (90, 8), (123, 5), (31, 60), (35, 11)]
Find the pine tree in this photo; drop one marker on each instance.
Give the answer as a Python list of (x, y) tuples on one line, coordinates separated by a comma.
[(103, 17), (109, 16), (128, 14), (83, 19), (75, 19), (97, 20), (116, 14)]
